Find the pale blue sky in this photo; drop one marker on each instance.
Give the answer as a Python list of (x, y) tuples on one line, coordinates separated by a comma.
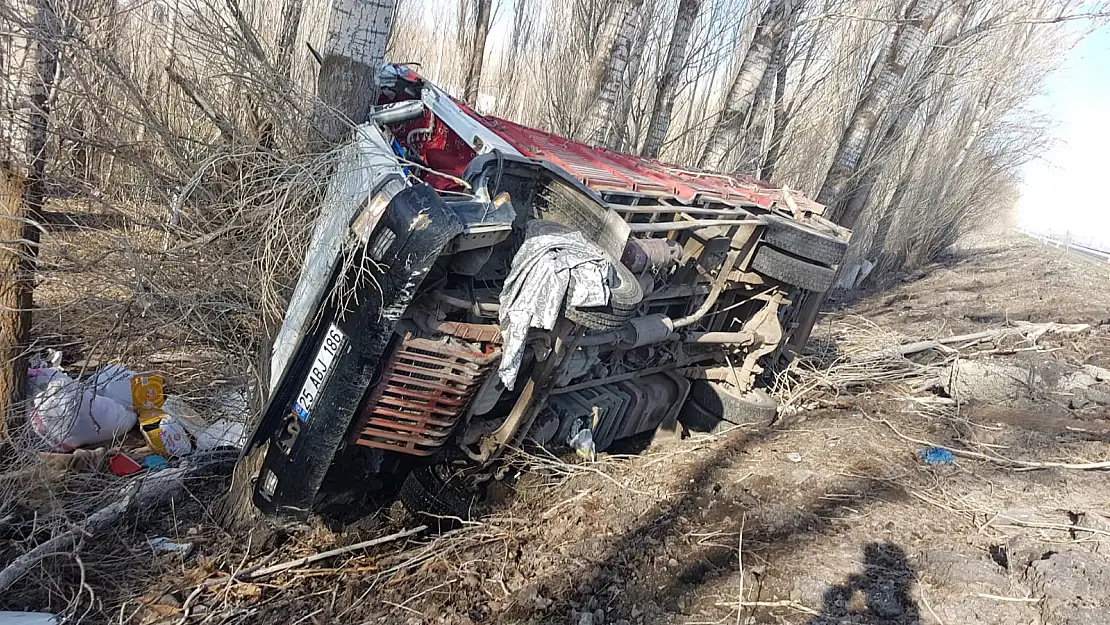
[(1067, 190)]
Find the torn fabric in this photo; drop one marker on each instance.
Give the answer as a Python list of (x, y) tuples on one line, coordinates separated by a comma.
[(544, 268)]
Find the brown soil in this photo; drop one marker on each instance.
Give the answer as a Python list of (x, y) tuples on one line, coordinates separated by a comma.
[(828, 516)]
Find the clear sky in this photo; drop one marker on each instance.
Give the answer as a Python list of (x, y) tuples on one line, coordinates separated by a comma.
[(1067, 190)]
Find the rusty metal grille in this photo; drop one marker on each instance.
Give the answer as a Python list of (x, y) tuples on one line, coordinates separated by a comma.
[(425, 389)]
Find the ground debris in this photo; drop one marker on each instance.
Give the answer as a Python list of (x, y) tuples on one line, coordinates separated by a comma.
[(655, 538)]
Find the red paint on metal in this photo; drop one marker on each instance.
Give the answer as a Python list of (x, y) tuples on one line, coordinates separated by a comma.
[(605, 170)]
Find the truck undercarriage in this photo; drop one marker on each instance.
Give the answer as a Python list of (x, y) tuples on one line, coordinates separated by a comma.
[(500, 287)]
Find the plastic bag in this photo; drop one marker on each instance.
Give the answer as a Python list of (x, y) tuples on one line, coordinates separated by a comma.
[(68, 414), (223, 433)]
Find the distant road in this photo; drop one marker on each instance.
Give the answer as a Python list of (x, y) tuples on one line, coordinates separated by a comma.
[(1090, 253)]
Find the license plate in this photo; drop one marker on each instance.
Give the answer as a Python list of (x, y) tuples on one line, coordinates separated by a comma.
[(334, 341)]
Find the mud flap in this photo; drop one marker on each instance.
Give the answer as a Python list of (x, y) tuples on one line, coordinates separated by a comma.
[(309, 414)]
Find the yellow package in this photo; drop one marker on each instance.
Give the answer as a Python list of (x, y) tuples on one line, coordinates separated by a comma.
[(164, 434), (146, 393)]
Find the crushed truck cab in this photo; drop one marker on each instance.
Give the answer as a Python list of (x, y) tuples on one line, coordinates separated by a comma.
[(475, 286)]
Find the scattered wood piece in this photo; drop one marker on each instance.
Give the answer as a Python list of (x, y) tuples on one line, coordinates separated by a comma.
[(1062, 527), (1030, 331), (785, 603), (1021, 464), (260, 571), (1001, 598), (324, 555)]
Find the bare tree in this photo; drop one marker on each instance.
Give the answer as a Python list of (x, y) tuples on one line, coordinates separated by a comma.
[(666, 86), (358, 31), (742, 91), (779, 119), (761, 117), (31, 71), (907, 42), (625, 16), (478, 51)]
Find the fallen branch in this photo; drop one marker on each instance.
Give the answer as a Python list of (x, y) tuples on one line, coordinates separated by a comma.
[(1062, 527), (260, 571), (1016, 599), (785, 603), (141, 493), (1024, 464), (324, 555), (1031, 331)]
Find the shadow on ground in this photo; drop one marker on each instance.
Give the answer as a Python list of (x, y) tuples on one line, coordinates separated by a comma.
[(626, 580), (879, 594)]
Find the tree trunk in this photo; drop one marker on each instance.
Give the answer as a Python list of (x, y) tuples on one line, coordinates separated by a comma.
[(860, 196), (778, 127), (478, 52), (667, 87), (618, 129), (914, 97), (762, 111), (890, 209), (15, 298), (607, 83), (755, 126), (31, 72), (741, 93), (358, 31), (904, 46)]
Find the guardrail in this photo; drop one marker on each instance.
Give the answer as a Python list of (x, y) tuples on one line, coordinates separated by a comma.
[(1082, 250)]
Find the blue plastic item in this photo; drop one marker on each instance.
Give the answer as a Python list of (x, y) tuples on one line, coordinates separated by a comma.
[(936, 455), (154, 462)]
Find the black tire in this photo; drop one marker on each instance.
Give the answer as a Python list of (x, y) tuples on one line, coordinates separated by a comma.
[(624, 301), (792, 270), (438, 502), (624, 297), (697, 418), (804, 241), (718, 398)]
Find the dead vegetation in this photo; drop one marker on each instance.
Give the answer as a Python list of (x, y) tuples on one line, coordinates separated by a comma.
[(774, 524), (185, 167)]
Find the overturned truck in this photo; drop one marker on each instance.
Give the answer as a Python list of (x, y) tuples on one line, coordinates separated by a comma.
[(496, 286)]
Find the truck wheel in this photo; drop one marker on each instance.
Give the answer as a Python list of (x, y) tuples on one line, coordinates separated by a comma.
[(624, 301), (792, 270), (438, 501), (721, 401), (804, 241), (697, 418)]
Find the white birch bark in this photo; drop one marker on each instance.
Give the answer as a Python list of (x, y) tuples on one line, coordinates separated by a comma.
[(627, 16), (353, 50), (667, 87), (905, 45), (741, 93)]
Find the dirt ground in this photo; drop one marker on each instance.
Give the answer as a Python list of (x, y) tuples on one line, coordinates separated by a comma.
[(829, 515)]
